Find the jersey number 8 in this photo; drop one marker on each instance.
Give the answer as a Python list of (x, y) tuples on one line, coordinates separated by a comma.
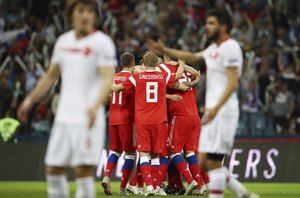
[(151, 92)]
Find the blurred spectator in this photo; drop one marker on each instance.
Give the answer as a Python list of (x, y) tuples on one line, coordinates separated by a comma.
[(249, 102), (268, 31), (281, 105)]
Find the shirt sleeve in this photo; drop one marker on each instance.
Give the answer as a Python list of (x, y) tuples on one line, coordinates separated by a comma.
[(130, 83), (171, 80), (107, 53), (232, 55)]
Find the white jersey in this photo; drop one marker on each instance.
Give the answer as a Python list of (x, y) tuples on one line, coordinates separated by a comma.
[(78, 60), (217, 136), (217, 58)]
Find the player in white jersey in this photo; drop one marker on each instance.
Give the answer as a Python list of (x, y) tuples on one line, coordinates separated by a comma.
[(85, 60), (224, 61)]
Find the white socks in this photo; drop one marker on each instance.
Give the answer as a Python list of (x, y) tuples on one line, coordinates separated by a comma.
[(233, 184), (85, 187), (217, 183), (220, 179), (58, 186)]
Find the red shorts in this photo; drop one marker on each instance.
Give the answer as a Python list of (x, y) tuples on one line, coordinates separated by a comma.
[(122, 137), (184, 133), (151, 138)]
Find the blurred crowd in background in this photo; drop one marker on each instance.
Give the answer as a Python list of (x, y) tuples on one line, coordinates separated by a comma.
[(268, 31)]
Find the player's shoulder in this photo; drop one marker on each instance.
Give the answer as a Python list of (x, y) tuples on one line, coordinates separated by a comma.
[(65, 37), (123, 73), (230, 43), (98, 35)]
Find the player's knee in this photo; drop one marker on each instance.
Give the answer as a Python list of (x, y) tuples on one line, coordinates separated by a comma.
[(84, 171), (154, 155), (130, 152), (189, 153), (202, 160), (214, 160), (118, 153), (53, 170)]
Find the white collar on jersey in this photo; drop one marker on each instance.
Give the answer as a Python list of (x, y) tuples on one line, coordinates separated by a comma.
[(149, 70)]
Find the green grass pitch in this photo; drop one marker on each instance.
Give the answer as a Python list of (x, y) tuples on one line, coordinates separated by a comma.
[(38, 189)]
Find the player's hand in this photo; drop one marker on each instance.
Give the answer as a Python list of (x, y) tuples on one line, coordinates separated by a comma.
[(181, 62), (24, 109), (92, 114), (175, 98), (209, 115), (198, 78), (157, 47)]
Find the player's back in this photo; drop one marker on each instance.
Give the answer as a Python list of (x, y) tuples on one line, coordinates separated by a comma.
[(188, 105), (150, 98), (121, 103)]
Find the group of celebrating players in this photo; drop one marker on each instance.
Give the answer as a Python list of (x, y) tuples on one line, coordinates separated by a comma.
[(143, 99), (153, 111)]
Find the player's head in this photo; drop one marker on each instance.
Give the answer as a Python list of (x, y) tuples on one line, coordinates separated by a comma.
[(127, 60), (83, 15), (150, 59), (218, 22)]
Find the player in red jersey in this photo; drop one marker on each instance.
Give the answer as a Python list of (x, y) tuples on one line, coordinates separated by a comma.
[(121, 119), (151, 114), (184, 128)]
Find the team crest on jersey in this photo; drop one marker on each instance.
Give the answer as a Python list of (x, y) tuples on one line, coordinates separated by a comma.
[(214, 55)]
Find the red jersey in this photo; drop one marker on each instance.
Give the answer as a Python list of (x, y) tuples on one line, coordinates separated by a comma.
[(150, 95), (188, 105), (121, 104)]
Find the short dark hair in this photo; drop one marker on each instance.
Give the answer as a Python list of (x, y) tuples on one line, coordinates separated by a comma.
[(127, 59), (73, 3), (223, 18)]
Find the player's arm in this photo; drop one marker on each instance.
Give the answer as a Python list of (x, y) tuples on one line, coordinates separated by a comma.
[(174, 97), (107, 74), (43, 86), (193, 72), (180, 69), (189, 57), (195, 81), (117, 88), (233, 81)]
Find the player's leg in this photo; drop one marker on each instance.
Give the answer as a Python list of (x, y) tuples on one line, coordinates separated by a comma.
[(155, 169), (178, 138), (127, 140), (87, 145), (202, 163), (115, 151), (57, 182), (85, 182), (196, 172), (216, 174), (190, 147), (57, 157), (114, 154), (144, 147), (126, 171), (164, 161), (159, 145)]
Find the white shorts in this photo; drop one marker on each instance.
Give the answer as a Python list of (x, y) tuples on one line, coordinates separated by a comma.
[(217, 136), (74, 145)]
